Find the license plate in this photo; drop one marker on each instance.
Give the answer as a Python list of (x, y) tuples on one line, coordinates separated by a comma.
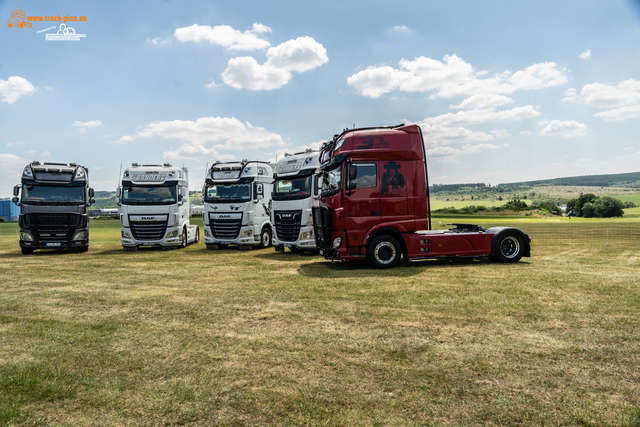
[(148, 244), (54, 245), (287, 245), (321, 252), (225, 242)]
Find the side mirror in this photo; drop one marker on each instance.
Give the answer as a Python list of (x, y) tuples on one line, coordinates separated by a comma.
[(202, 198), (91, 192), (183, 192), (91, 201), (353, 172), (183, 200), (16, 190), (118, 201), (118, 191), (15, 200), (351, 185)]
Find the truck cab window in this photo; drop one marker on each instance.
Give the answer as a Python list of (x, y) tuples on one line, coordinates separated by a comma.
[(367, 176)]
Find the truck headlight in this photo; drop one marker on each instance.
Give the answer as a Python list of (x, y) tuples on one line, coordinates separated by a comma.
[(247, 233), (125, 235), (337, 242), (26, 236), (206, 233), (80, 235), (306, 235), (173, 233)]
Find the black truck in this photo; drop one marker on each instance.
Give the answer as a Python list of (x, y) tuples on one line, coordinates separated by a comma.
[(53, 206)]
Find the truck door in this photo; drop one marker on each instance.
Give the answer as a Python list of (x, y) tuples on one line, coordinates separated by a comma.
[(362, 205), (394, 207)]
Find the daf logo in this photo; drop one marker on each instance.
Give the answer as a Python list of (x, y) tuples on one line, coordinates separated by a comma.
[(147, 218), (286, 215), (224, 216)]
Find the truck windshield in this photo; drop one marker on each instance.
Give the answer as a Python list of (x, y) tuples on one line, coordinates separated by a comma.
[(148, 195), (52, 195), (231, 193), (331, 181), (290, 189)]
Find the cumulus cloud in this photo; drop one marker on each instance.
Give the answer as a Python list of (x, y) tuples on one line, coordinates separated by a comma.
[(568, 129), (451, 77), (585, 55), (470, 117), (225, 36), (15, 87), (299, 55), (483, 101), (157, 40), (84, 125), (221, 133), (12, 162), (570, 95), (622, 100)]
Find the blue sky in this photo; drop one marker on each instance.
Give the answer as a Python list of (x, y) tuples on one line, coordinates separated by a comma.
[(504, 91)]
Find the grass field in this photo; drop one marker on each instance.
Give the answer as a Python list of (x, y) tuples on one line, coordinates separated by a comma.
[(232, 338)]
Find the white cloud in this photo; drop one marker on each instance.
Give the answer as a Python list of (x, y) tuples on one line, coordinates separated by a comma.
[(301, 54), (500, 133), (622, 100), (15, 87), (585, 55), (225, 36), (211, 84), (401, 28), (46, 154), (627, 149), (12, 162), (451, 77), (570, 95), (157, 40), (568, 129), (225, 134), (471, 117), (525, 132), (90, 124), (436, 135), (483, 101)]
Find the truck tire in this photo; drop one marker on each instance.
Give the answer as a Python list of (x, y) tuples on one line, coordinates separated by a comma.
[(265, 238), (183, 243), (384, 252), (83, 248), (27, 251), (508, 247), (197, 235)]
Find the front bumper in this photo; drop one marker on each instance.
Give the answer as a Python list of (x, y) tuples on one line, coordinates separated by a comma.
[(127, 239), (248, 235)]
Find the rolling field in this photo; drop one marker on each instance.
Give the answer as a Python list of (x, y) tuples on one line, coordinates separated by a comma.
[(251, 338)]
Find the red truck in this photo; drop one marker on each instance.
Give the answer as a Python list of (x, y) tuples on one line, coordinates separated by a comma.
[(374, 205)]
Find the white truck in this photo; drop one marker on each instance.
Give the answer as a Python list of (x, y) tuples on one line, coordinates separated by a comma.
[(296, 191), (237, 199), (153, 205)]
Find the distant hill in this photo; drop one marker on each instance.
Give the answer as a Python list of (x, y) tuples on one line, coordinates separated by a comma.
[(611, 180), (630, 180)]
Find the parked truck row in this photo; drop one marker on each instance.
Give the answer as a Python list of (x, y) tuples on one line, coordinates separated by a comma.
[(363, 196)]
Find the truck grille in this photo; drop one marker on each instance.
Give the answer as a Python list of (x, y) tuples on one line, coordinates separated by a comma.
[(52, 227), (148, 230), (52, 219), (322, 226), (288, 225), (225, 229)]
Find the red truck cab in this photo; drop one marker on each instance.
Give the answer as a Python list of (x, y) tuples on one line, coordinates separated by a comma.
[(374, 204)]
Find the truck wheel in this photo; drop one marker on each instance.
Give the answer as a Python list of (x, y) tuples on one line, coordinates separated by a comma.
[(183, 243), (384, 252), (265, 238), (197, 235), (83, 248), (27, 251), (508, 247)]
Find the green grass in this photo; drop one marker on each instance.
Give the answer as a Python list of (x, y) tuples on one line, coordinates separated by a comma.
[(195, 337)]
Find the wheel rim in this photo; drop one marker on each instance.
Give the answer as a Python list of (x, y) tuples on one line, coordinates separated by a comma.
[(385, 253), (265, 238), (510, 247)]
